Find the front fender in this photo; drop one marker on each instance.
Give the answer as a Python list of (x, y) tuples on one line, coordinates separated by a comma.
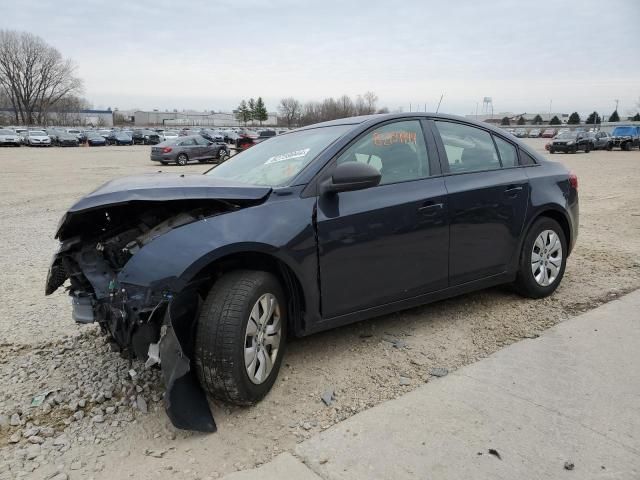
[(281, 228)]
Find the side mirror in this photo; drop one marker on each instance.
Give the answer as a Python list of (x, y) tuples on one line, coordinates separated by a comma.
[(349, 176)]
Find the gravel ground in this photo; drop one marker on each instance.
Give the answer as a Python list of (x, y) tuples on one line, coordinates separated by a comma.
[(97, 416)]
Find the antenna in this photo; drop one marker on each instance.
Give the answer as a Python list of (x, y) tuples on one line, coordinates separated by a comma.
[(437, 109)]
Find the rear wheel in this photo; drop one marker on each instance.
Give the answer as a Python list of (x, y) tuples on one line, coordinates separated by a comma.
[(182, 159), (241, 335), (587, 148), (542, 260)]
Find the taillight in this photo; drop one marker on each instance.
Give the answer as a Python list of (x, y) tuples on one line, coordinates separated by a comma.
[(167, 150), (573, 180)]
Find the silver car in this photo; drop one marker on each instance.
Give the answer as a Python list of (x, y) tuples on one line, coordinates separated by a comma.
[(9, 137), (182, 150), (37, 138)]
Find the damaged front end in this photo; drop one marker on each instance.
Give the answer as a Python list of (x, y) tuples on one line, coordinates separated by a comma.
[(153, 322)]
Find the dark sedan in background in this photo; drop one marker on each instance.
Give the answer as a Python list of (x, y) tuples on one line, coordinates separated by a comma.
[(570, 142), (321, 227), (119, 138), (183, 150), (64, 139), (94, 139), (145, 137)]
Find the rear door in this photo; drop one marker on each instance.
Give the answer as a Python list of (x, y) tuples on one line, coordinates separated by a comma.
[(389, 242), (190, 147), (205, 148), (487, 196)]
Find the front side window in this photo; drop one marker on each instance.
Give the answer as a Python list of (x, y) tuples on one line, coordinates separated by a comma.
[(468, 149), (202, 141), (508, 155), (397, 150)]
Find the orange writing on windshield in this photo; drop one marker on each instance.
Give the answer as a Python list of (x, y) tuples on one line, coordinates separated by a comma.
[(389, 138)]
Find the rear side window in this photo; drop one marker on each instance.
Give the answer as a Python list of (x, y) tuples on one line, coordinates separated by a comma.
[(188, 142), (468, 149), (526, 159), (508, 153), (397, 150)]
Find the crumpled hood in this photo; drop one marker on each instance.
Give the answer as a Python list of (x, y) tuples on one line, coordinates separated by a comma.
[(161, 187)]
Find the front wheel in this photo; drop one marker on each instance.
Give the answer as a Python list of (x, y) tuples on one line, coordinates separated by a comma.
[(223, 155), (627, 146), (240, 337), (542, 260)]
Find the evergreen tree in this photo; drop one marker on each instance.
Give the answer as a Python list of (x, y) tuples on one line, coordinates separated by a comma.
[(251, 105), (243, 114), (593, 118), (505, 121), (614, 116), (521, 121), (260, 111), (537, 120), (555, 121), (574, 119), (636, 117)]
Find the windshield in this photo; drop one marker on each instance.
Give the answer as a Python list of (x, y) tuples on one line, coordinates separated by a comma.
[(37, 132), (276, 161), (622, 131), (566, 135)]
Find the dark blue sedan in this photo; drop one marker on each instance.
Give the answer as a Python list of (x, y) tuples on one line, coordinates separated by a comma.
[(209, 275)]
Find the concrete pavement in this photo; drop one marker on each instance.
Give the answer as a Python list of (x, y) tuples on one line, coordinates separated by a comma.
[(570, 396)]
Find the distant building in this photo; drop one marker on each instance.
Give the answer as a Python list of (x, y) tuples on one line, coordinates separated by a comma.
[(190, 118)]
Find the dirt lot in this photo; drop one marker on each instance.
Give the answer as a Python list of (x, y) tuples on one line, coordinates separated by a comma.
[(122, 427)]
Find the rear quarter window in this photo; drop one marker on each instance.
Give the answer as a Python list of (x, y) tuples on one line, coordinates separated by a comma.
[(526, 159)]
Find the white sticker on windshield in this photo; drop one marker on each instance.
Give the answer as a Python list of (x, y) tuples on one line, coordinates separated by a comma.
[(288, 156)]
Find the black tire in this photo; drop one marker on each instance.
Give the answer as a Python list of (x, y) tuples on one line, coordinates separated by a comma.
[(551, 150), (609, 147), (220, 338), (182, 159), (587, 149), (223, 155), (525, 284), (627, 147)]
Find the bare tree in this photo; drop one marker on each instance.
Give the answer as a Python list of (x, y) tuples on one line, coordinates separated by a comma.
[(290, 109), (67, 110), (370, 100), (34, 75)]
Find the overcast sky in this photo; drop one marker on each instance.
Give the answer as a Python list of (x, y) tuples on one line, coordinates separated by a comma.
[(203, 54)]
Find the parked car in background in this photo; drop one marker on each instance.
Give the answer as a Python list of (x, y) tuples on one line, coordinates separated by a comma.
[(145, 137), (169, 135), (264, 134), (105, 133), (521, 132), (65, 139), (212, 135), (600, 140), (119, 138), (549, 133), (570, 142), (328, 225), (231, 136), (37, 138), (9, 137), (534, 133), (183, 150), (94, 139), (625, 137)]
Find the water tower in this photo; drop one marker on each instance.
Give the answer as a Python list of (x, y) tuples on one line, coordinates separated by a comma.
[(487, 106)]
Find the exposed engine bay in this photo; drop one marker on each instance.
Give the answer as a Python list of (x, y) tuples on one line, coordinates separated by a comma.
[(152, 323)]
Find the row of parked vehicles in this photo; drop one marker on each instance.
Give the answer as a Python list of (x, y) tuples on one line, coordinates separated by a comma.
[(73, 137), (622, 137)]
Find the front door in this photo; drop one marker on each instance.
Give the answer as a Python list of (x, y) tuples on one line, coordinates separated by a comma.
[(488, 195), (389, 242)]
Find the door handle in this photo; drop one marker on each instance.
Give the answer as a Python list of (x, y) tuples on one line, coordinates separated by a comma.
[(513, 189), (429, 207)]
